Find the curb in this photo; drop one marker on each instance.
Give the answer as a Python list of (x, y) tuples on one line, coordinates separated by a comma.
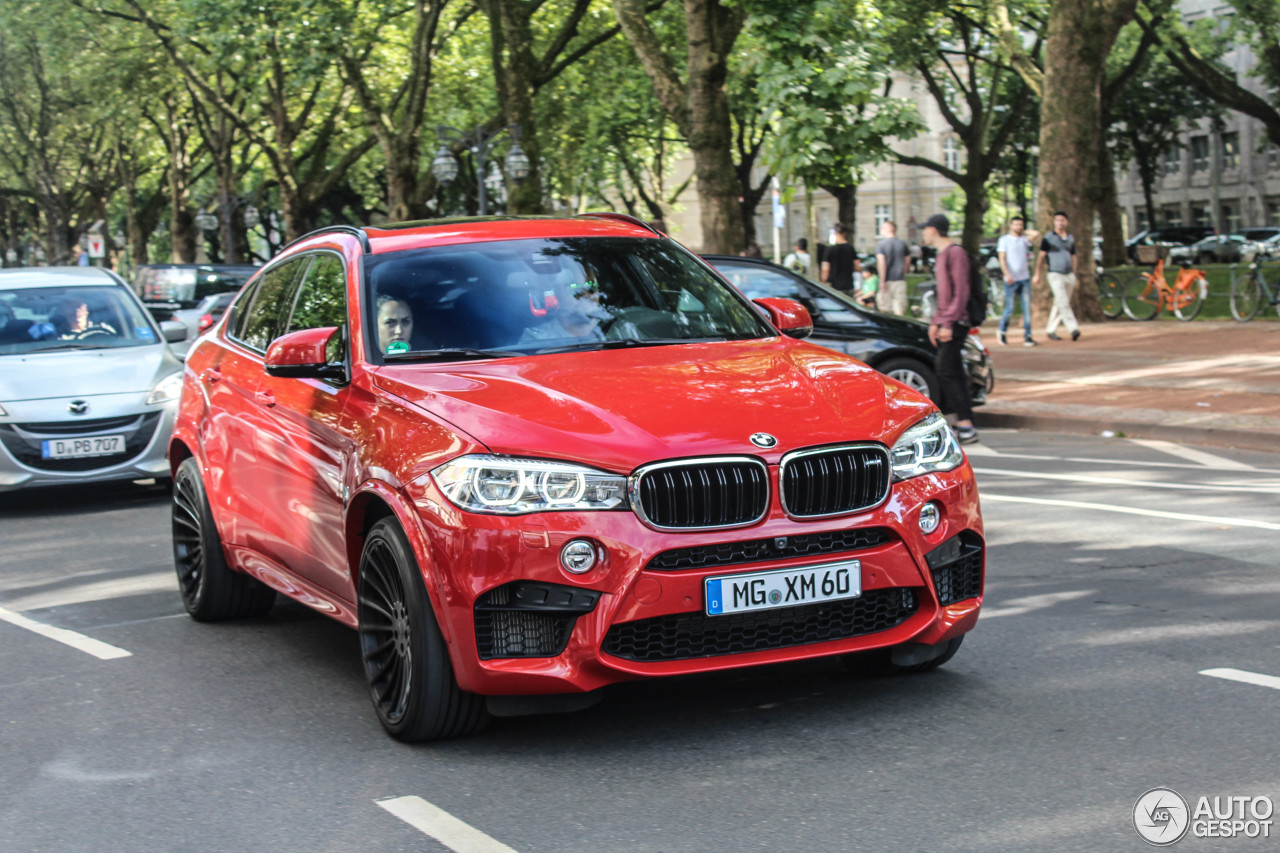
[(1211, 436)]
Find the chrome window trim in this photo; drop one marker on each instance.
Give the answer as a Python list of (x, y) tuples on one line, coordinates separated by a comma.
[(633, 489), (832, 448)]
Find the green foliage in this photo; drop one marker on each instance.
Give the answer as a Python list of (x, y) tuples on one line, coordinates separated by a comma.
[(821, 72)]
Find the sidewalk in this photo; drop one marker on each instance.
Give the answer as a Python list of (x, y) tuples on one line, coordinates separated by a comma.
[(1207, 382)]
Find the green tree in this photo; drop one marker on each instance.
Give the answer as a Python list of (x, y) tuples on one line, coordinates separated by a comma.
[(697, 103), (823, 82)]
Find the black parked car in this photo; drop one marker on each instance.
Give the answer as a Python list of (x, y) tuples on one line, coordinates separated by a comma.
[(1177, 235), (166, 289), (896, 346)]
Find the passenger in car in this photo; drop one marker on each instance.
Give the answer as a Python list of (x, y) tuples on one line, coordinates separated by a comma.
[(72, 321), (579, 313), (395, 324)]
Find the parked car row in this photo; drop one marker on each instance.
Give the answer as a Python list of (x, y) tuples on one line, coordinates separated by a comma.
[(524, 458)]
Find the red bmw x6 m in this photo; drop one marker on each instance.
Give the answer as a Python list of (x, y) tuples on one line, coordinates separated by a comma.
[(533, 457)]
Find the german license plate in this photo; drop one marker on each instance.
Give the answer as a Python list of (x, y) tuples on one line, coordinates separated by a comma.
[(75, 448), (783, 587)]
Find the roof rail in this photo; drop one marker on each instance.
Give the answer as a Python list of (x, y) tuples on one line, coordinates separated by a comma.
[(623, 217), (358, 233)]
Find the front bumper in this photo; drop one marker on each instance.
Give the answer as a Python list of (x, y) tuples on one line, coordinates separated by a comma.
[(145, 428), (641, 610)]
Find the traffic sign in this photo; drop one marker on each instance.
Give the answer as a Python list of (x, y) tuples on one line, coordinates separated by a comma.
[(97, 246)]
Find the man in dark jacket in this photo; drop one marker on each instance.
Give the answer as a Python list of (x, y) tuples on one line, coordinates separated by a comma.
[(949, 327)]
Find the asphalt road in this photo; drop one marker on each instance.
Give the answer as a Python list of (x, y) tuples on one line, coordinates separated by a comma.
[(1080, 689)]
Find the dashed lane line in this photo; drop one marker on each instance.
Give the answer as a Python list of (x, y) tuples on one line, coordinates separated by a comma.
[(1191, 454), (1136, 463), (443, 827), (97, 648), (1130, 510), (1243, 676), (1121, 481)]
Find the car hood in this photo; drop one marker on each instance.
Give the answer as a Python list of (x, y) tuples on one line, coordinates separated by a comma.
[(618, 409), (83, 373)]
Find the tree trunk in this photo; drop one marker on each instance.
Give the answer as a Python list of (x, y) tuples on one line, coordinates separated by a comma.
[(846, 197), (975, 207), (1080, 35), (516, 82), (1109, 209)]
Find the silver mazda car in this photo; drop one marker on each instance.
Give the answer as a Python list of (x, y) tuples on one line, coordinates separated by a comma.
[(88, 384)]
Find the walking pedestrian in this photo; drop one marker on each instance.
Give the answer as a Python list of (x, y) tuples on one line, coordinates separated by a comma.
[(837, 266), (797, 260), (1013, 249), (1058, 249), (949, 328), (891, 264)]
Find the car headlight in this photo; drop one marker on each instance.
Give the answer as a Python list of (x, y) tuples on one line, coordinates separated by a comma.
[(166, 389), (504, 486), (926, 448)]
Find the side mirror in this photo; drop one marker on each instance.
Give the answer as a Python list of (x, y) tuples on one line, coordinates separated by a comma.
[(788, 316), (305, 355), (174, 332)]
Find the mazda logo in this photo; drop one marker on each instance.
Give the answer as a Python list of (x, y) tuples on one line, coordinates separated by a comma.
[(763, 439), (77, 407)]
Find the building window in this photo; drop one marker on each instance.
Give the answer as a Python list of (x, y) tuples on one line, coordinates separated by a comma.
[(1173, 160), (882, 215), (1140, 220), (1231, 218), (1173, 216), (1273, 211), (1273, 157), (1231, 150), (1201, 215), (1199, 153), (951, 154)]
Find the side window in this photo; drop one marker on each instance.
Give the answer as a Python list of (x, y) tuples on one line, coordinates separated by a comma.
[(240, 310), (266, 317), (322, 301), (764, 283)]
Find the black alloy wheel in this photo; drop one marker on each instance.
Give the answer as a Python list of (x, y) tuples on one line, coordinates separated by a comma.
[(210, 589), (405, 660)]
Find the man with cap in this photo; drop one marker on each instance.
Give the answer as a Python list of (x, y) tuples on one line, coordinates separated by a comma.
[(949, 327)]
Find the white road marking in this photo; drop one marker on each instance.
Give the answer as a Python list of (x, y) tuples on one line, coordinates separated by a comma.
[(97, 648), (1031, 603), (1191, 454), (981, 450), (442, 826), (1133, 462), (101, 590), (1120, 481), (1243, 676), (1129, 510)]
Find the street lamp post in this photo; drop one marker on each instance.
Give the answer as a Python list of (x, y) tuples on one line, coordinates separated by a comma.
[(480, 144)]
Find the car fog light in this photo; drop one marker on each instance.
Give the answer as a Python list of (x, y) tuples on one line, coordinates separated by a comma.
[(930, 517), (578, 556)]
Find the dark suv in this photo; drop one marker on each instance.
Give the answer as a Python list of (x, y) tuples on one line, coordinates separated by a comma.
[(166, 288)]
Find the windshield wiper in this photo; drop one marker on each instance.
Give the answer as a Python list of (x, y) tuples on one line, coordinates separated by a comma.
[(453, 354), (66, 346), (626, 343)]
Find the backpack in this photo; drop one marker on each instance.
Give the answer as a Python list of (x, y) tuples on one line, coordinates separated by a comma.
[(976, 307)]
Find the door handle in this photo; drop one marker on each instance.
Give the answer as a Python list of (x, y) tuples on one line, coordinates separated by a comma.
[(266, 398), (211, 375)]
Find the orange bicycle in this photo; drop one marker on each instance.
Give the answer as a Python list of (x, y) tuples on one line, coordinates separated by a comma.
[(1147, 292)]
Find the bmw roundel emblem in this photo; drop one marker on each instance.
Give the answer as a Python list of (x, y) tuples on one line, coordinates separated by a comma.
[(763, 439)]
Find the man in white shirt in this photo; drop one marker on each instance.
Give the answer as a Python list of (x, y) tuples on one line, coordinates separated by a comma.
[(1014, 249), (798, 259)]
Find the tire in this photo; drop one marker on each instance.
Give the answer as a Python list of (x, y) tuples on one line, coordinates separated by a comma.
[(879, 662), (211, 591), (403, 652), (1188, 300), (914, 374), (1246, 297), (1111, 295), (1140, 298)]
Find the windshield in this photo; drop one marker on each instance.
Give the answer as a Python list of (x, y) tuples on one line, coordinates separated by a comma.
[(188, 285), (39, 319), (527, 296)]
